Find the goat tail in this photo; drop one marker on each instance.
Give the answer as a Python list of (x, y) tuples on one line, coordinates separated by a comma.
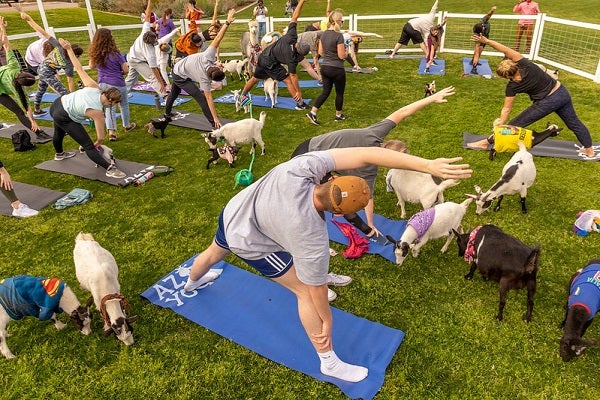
[(532, 261)]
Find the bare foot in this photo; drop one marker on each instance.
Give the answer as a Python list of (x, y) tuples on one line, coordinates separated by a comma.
[(481, 144)]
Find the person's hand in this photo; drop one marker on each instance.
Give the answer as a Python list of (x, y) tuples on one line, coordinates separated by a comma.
[(497, 122), (25, 16), (231, 15), (5, 182), (479, 39), (440, 97), (494, 8), (445, 169), (323, 339), (64, 43), (217, 123)]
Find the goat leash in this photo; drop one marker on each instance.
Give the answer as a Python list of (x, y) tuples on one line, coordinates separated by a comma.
[(104, 314)]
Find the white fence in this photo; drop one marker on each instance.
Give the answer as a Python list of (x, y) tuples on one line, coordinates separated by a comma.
[(569, 45)]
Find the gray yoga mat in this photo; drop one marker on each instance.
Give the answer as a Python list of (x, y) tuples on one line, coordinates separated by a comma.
[(82, 166), (34, 196), (8, 128), (548, 148), (194, 121), (361, 71)]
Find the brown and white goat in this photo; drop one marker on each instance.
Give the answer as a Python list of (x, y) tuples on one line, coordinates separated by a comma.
[(502, 258), (97, 272), (439, 221), (518, 175), (28, 296), (417, 187), (581, 308)]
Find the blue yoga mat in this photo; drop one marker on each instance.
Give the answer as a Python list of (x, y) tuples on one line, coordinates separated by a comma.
[(47, 97), (386, 227), (262, 316), (47, 117), (439, 69), (259, 100), (147, 99), (303, 84), (482, 70)]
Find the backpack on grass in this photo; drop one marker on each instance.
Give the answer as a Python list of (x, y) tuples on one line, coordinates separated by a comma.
[(22, 141)]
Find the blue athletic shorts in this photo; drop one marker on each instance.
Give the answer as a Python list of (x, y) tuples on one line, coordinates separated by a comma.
[(272, 266)]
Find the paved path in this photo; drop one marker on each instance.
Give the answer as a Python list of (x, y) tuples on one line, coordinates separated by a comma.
[(32, 6)]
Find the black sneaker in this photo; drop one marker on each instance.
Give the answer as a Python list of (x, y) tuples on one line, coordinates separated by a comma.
[(301, 106), (313, 118), (40, 134), (474, 70), (340, 117), (39, 113)]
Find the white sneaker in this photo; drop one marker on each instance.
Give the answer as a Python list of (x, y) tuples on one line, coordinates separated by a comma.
[(23, 211), (113, 172), (210, 276), (331, 295), (338, 280)]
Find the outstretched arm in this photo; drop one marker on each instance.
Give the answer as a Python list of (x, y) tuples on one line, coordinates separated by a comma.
[(34, 25), (328, 9), (490, 13), (353, 157), (215, 12), (148, 12), (4, 35), (408, 110), (221, 34), (362, 34), (296, 14), (85, 78), (508, 52)]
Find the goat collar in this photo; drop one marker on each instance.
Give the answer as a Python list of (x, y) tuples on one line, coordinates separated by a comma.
[(104, 313), (470, 255)]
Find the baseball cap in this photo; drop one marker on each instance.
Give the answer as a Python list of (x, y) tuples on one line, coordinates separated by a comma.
[(303, 48), (349, 194)]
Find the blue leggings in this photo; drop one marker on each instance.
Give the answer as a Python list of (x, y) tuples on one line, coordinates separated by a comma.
[(560, 103)]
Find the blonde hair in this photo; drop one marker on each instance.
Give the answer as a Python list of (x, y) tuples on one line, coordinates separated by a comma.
[(507, 69), (334, 16)]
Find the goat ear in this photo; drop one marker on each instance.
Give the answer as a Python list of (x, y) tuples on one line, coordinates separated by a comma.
[(472, 196), (478, 190), (455, 233), (131, 320), (391, 239), (589, 342), (89, 302)]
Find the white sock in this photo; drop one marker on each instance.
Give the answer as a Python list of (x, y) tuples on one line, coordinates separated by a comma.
[(331, 365), (210, 276)]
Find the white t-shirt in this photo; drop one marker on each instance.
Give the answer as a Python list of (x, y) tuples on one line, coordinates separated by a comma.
[(141, 51), (261, 15), (34, 55)]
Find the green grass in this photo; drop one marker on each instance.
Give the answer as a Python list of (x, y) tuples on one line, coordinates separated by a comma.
[(454, 348)]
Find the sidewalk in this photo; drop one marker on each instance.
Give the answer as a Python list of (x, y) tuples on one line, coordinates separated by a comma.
[(32, 6)]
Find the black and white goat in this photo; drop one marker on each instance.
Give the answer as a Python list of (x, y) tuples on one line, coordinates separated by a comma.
[(417, 187), (439, 221), (518, 175), (158, 124), (502, 258), (97, 272), (226, 152), (239, 132), (581, 308), (28, 296)]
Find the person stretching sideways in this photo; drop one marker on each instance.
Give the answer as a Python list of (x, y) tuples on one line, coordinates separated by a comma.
[(277, 226)]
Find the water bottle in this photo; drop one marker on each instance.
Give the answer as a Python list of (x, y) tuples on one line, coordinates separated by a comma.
[(147, 176), (157, 101)]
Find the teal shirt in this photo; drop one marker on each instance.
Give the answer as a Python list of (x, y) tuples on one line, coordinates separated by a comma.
[(78, 102)]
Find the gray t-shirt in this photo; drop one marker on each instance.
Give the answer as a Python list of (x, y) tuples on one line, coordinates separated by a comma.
[(194, 67), (277, 213), (329, 41), (372, 136)]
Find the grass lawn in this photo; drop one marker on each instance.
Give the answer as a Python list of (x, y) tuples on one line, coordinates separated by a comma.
[(454, 348)]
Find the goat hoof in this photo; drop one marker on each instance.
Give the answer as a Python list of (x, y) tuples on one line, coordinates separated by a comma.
[(499, 317), (492, 155), (496, 208), (468, 277)]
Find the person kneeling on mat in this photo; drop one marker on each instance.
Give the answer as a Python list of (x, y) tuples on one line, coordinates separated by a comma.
[(71, 110), (277, 226)]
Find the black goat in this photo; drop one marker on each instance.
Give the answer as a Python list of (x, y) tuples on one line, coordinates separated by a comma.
[(581, 307), (501, 258), (160, 124)]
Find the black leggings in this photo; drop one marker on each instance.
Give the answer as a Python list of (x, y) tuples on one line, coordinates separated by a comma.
[(13, 107), (63, 125), (190, 87), (9, 194), (332, 76)]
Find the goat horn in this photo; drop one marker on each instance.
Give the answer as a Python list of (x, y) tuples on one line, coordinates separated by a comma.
[(478, 189)]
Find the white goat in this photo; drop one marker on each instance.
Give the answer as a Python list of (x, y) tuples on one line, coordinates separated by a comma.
[(517, 176), (236, 67), (97, 272), (417, 187), (43, 298), (271, 90), (432, 223), (244, 131), (238, 106)]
